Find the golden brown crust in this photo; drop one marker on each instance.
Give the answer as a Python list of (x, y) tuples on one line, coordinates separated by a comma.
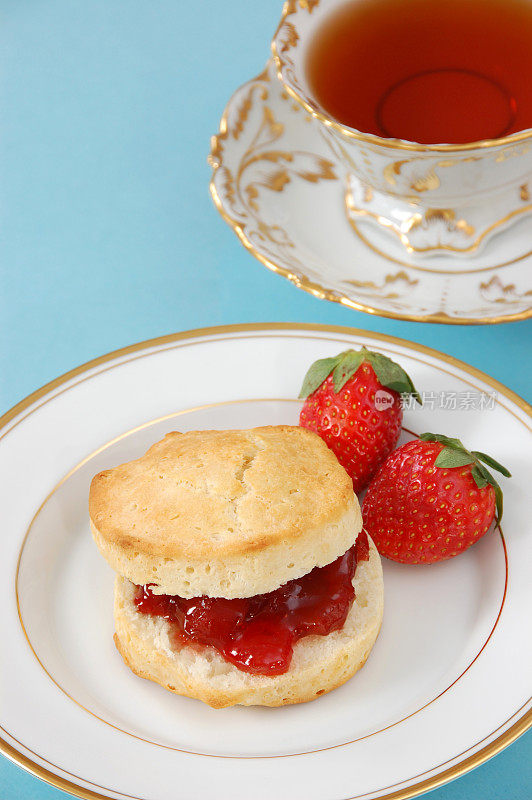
[(319, 664), (225, 513)]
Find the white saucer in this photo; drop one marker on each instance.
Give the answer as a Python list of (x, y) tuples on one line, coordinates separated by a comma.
[(279, 185), (446, 686)]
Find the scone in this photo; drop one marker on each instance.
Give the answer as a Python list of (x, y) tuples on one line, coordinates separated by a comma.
[(243, 574)]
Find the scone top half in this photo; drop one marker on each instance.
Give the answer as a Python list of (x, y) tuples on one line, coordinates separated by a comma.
[(225, 513)]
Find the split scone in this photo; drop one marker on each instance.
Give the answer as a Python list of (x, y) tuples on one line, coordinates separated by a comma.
[(243, 573)]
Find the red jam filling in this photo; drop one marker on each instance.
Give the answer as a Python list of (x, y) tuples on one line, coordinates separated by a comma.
[(257, 634)]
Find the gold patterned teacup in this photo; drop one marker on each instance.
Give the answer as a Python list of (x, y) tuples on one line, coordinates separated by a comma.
[(436, 198)]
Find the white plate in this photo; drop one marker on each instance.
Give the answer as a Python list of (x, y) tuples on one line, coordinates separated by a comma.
[(446, 686), (279, 185)]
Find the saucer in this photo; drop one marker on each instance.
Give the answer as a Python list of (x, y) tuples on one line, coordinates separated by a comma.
[(279, 185)]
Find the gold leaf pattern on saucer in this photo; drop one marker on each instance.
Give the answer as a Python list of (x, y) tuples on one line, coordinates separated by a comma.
[(262, 167), (392, 288), (495, 291), (243, 113)]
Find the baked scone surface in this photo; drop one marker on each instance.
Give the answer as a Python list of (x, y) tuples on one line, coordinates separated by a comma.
[(319, 663), (225, 513)]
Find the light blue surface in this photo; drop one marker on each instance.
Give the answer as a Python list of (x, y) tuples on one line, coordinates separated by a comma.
[(108, 235)]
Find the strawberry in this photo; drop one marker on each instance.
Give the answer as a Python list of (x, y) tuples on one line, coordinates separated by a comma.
[(353, 401), (431, 500)]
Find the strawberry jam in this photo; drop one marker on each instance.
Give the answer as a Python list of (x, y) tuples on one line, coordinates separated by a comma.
[(257, 634)]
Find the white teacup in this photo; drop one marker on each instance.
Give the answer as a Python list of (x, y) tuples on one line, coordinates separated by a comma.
[(438, 198)]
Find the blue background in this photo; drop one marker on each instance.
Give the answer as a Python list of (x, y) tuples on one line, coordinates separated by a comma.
[(108, 234)]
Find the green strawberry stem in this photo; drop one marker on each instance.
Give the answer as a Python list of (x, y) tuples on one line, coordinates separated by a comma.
[(344, 365), (455, 454)]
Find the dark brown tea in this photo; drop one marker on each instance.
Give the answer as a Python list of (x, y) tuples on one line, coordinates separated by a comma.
[(429, 71)]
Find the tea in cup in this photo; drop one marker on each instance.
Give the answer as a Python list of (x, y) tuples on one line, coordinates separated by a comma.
[(426, 103)]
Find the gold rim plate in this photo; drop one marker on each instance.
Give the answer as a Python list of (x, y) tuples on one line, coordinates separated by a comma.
[(48, 392)]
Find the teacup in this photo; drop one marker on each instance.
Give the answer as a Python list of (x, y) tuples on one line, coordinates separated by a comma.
[(436, 198)]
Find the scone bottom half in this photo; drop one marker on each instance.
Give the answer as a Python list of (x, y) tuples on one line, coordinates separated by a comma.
[(319, 663)]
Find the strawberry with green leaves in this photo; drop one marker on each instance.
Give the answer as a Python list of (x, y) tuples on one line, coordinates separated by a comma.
[(353, 401), (431, 500)]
